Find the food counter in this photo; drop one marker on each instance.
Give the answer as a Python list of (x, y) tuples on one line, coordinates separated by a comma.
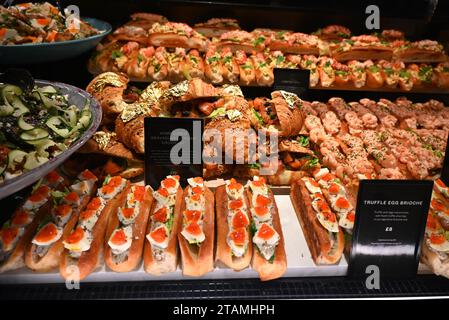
[(374, 107)]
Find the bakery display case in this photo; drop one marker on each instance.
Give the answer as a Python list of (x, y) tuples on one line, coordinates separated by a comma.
[(316, 106)]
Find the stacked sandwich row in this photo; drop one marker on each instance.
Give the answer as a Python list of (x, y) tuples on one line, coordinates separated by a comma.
[(365, 139), (149, 48), (219, 66), (74, 226), (383, 140), (335, 41)]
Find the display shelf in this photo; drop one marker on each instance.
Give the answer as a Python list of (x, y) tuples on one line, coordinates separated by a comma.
[(299, 261)]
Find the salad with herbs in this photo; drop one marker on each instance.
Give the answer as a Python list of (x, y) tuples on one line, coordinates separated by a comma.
[(35, 127), (40, 22)]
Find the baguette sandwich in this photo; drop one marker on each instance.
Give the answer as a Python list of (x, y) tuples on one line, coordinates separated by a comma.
[(43, 253), (319, 223), (234, 246), (196, 238), (161, 249), (84, 246), (16, 233), (269, 258), (125, 234)]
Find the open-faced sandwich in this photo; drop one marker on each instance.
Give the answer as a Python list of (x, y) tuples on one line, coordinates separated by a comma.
[(269, 258), (161, 245)]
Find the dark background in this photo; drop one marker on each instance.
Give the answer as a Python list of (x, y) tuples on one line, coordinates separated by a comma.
[(418, 19)]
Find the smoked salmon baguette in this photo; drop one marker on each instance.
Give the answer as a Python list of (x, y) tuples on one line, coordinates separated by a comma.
[(435, 246), (269, 258), (125, 235), (17, 232), (43, 253), (440, 203), (84, 246), (318, 222), (161, 245), (234, 245), (196, 238)]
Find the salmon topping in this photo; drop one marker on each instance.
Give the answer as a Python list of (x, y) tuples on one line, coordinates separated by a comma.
[(169, 183), (437, 238), (334, 189), (159, 235), (76, 236), (39, 194), (115, 181), (72, 197), (194, 229), (47, 233), (52, 177), (139, 193), (87, 214), (63, 210), (235, 204), (160, 215), (351, 216), (119, 237), (197, 190), (437, 205), (94, 204), (21, 217), (127, 212), (107, 189), (192, 215), (238, 236), (163, 192), (329, 216), (8, 234), (88, 175), (260, 211), (342, 203), (265, 232), (240, 220), (262, 201)]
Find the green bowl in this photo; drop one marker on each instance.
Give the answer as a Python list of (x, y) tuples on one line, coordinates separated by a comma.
[(32, 53)]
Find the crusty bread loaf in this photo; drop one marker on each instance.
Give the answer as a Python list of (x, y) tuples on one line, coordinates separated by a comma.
[(269, 270), (170, 261), (91, 259), (16, 259), (223, 251), (53, 256), (199, 260), (138, 240), (316, 235)]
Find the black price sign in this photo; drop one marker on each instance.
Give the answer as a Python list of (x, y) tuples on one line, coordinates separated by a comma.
[(291, 80), (445, 170), (389, 227), (173, 146)]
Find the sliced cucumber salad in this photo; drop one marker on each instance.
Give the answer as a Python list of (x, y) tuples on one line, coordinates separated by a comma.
[(35, 127)]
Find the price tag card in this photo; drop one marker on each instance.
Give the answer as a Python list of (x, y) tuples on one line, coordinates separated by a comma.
[(389, 227), (291, 80), (173, 146), (445, 170)]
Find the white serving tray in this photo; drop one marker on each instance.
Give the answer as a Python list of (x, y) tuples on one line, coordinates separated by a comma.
[(299, 261)]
